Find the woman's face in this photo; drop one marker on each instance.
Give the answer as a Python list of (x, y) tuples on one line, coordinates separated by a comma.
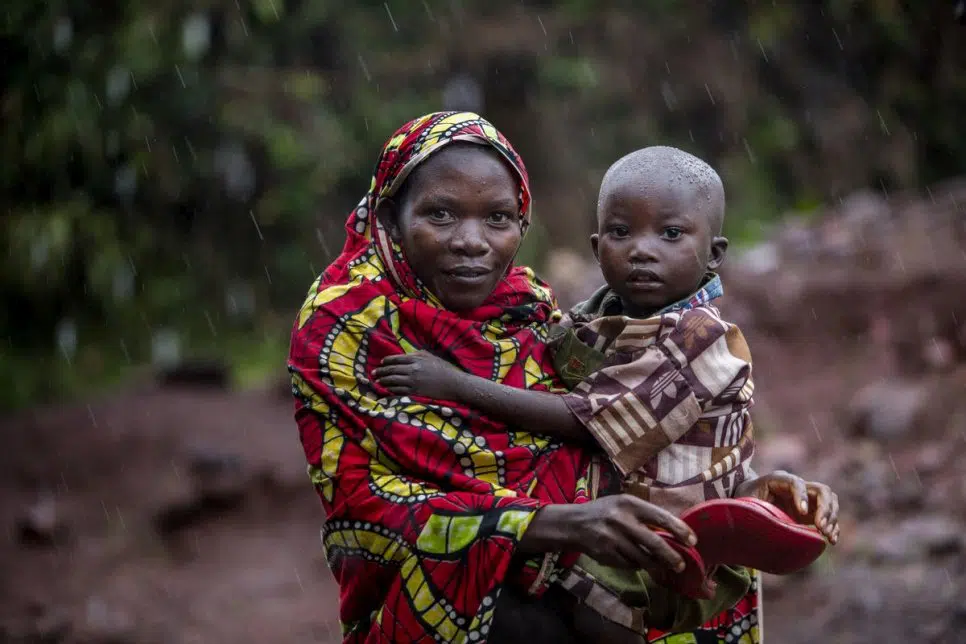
[(457, 219)]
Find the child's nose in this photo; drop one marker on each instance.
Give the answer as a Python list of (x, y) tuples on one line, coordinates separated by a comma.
[(642, 250)]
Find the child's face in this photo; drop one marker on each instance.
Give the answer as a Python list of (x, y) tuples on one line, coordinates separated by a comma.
[(654, 243)]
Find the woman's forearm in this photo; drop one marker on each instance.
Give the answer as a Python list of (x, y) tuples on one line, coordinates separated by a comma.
[(538, 412)]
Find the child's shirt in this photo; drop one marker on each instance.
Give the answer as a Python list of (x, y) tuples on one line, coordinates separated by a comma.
[(666, 397)]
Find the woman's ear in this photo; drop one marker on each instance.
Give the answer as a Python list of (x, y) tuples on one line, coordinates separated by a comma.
[(388, 213)]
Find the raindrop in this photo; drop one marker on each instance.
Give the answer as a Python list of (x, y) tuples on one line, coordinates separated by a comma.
[(882, 124), (211, 323), (365, 70), (257, 228), (66, 333), (894, 467), (762, 48), (815, 424), (391, 19), (837, 39), (751, 154)]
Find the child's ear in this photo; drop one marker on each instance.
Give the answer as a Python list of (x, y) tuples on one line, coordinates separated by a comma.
[(719, 246), (594, 240), (388, 213)]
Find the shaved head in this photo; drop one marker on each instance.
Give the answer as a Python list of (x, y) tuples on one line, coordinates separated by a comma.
[(660, 168)]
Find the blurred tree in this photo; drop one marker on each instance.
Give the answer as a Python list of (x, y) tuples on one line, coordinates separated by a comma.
[(182, 169)]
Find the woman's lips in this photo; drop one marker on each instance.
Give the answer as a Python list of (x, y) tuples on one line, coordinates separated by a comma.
[(469, 275)]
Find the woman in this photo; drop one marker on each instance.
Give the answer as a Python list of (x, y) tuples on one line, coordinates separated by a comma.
[(431, 508)]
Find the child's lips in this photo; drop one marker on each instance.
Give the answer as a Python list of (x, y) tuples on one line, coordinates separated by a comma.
[(644, 279)]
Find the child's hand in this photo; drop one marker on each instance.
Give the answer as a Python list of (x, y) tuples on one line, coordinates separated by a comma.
[(421, 374), (808, 502)]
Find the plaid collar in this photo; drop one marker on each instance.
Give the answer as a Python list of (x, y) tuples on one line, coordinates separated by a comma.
[(711, 289)]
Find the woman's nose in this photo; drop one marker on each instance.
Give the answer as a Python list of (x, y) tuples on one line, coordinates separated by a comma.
[(469, 239)]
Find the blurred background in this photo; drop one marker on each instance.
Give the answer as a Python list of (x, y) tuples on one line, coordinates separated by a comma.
[(174, 175)]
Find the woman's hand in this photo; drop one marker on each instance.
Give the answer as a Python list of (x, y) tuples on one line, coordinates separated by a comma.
[(421, 374), (806, 501), (615, 530)]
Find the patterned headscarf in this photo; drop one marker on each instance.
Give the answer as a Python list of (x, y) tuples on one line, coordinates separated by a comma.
[(412, 144), (425, 500)]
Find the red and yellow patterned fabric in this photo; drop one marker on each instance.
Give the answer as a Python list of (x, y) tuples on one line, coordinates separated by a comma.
[(425, 501)]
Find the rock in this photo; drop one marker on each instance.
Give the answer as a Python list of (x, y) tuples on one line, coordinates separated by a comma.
[(908, 494), (931, 458), (219, 482), (917, 538), (42, 524), (782, 452), (105, 625), (887, 410), (196, 373), (39, 626), (219, 477)]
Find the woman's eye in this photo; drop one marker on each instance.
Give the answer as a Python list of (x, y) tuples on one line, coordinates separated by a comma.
[(672, 233), (499, 218), (440, 216)]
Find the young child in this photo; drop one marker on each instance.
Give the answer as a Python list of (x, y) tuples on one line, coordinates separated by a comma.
[(658, 379)]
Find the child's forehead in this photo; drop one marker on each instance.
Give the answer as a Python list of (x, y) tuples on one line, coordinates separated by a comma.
[(650, 197)]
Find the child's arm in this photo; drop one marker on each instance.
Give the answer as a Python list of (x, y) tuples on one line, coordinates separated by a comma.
[(423, 374), (810, 502)]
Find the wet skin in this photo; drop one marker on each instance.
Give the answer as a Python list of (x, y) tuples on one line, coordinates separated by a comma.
[(655, 243), (457, 219)]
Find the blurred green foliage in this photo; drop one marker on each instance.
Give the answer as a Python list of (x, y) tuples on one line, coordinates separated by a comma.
[(184, 167)]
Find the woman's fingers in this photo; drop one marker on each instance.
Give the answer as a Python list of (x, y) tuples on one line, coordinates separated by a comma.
[(653, 548), (653, 515)]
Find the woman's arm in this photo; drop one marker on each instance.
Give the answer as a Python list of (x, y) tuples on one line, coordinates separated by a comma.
[(423, 374), (615, 531)]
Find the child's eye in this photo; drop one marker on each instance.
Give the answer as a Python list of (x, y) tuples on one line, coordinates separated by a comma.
[(619, 231), (671, 233)]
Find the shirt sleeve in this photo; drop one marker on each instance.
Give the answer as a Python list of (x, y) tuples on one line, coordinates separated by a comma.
[(638, 404)]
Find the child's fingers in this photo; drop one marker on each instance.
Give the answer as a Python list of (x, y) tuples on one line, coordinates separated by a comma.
[(396, 384), (392, 370), (799, 494), (826, 503), (398, 359)]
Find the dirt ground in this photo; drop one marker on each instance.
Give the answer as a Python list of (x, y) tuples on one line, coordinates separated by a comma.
[(187, 517), (184, 514)]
